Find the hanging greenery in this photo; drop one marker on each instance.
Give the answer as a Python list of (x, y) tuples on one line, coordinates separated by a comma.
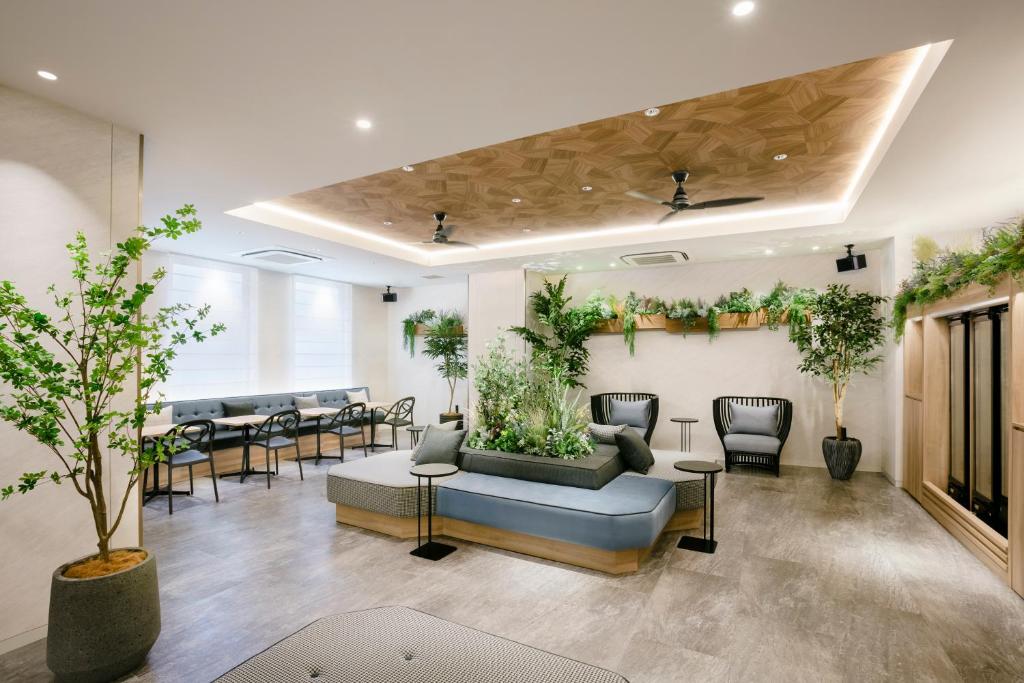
[(409, 328), (947, 272), (633, 306)]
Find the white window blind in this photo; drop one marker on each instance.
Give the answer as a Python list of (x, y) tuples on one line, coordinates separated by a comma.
[(224, 365), (321, 334)]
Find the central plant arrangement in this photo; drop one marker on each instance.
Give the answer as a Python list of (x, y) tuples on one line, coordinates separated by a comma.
[(526, 409)]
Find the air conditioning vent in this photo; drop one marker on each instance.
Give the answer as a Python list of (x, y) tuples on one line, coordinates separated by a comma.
[(432, 277), (656, 258), (281, 257)]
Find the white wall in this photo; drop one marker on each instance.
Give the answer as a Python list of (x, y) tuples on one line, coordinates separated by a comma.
[(416, 376), (688, 373), (370, 339), (60, 171)]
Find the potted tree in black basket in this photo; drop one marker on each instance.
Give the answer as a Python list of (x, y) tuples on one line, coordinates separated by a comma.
[(846, 331), (445, 343), (67, 378)]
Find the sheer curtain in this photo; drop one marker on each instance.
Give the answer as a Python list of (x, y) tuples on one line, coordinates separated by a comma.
[(225, 365), (321, 334)]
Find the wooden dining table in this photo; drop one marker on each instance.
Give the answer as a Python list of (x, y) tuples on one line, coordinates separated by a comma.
[(153, 432), (373, 407), (245, 423), (318, 414)]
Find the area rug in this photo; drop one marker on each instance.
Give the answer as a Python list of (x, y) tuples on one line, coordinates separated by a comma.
[(389, 644)]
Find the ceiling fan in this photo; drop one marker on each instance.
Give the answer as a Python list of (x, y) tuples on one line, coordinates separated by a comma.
[(441, 233), (681, 201)]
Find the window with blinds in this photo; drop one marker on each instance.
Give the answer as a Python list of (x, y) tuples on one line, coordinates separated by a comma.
[(321, 334), (224, 365)]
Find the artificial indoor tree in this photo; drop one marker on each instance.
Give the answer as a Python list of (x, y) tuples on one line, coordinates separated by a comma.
[(446, 343), (841, 342), (67, 373)]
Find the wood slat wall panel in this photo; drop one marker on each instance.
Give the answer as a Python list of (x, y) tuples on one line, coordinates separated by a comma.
[(913, 446)]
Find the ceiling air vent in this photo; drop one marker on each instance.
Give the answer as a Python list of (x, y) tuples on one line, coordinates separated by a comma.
[(281, 257), (432, 277), (656, 258)]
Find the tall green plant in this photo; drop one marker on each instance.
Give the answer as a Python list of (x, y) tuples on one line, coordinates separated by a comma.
[(842, 341), (560, 345), (446, 343), (501, 384), (65, 373)]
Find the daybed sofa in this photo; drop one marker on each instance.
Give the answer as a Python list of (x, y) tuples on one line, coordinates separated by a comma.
[(590, 512)]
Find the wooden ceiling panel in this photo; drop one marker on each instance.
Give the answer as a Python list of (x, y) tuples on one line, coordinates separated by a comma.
[(823, 121)]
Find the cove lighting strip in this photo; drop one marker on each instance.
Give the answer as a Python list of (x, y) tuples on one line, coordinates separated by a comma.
[(842, 206)]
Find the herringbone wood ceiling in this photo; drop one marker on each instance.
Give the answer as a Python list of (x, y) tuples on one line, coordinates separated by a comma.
[(823, 121)]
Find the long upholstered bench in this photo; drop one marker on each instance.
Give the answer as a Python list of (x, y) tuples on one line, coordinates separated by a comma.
[(611, 528)]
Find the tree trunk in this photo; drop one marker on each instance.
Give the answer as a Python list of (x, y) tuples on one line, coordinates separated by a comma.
[(99, 500), (451, 394), (839, 394)]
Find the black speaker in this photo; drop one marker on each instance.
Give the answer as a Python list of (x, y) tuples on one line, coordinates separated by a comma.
[(851, 261), (389, 297)]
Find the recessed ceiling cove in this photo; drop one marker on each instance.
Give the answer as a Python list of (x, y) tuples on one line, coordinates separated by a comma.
[(531, 190)]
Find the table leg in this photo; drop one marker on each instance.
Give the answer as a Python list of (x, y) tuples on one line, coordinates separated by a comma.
[(419, 512), (704, 544), (431, 550), (712, 523)]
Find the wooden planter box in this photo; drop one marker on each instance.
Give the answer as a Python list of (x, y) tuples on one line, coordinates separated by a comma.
[(423, 329), (739, 321), (673, 326), (643, 322)]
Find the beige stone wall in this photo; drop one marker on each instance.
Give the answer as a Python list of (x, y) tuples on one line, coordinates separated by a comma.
[(60, 171)]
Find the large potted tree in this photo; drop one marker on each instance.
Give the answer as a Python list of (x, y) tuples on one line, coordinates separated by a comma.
[(841, 342), (445, 342), (67, 378)]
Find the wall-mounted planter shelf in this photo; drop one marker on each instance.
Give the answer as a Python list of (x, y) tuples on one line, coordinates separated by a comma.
[(421, 330), (726, 321)]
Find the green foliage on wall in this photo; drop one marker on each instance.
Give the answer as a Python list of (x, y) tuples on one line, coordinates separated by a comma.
[(409, 328)]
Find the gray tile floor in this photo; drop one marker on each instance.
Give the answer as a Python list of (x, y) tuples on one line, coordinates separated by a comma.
[(813, 580)]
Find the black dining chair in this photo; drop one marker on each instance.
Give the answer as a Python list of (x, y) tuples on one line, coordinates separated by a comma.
[(185, 445), (346, 422), (280, 430), (398, 415)]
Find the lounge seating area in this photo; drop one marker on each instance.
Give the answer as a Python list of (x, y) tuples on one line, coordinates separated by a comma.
[(471, 342)]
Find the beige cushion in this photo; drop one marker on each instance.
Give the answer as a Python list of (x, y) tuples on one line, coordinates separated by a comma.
[(164, 417), (385, 469), (663, 467), (306, 402), (357, 396)]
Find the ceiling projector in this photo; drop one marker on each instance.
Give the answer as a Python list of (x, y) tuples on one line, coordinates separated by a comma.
[(851, 261), (389, 297)]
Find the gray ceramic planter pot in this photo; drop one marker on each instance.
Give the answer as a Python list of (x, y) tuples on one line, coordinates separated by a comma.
[(841, 456), (102, 628)]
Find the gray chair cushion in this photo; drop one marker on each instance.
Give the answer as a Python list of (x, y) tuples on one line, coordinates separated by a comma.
[(634, 451), (751, 443), (304, 402), (762, 420), (439, 446), (604, 433), (591, 472), (275, 442), (633, 413), (630, 512), (238, 407)]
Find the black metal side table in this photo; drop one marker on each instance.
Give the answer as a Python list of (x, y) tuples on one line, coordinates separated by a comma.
[(709, 470), (414, 433), (684, 431), (431, 550)]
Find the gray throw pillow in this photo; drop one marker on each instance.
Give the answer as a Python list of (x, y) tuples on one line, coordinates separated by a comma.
[(447, 426), (632, 413), (439, 446), (634, 451), (304, 402), (753, 419), (605, 433), (236, 408)]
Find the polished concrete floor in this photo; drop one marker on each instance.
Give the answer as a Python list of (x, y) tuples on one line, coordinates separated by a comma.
[(814, 580)]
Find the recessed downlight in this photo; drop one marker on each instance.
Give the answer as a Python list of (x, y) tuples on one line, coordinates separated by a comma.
[(613, 264), (364, 124), (516, 200), (527, 230), (651, 112), (780, 157), (408, 169), (586, 188), (815, 248), (388, 223), (769, 252), (579, 267), (46, 75), (742, 9)]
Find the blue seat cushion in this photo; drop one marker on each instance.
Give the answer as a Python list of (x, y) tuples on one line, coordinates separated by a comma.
[(751, 443), (628, 512), (274, 442)]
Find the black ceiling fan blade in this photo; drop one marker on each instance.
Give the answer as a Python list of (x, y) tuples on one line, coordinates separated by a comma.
[(718, 203), (668, 215), (647, 198)]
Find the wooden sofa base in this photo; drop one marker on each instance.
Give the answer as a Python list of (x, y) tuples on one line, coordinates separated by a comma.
[(609, 561)]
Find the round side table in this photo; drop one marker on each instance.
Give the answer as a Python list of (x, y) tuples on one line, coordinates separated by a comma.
[(414, 433), (709, 470), (684, 431), (431, 550)]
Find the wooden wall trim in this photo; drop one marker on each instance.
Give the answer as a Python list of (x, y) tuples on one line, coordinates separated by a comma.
[(987, 545)]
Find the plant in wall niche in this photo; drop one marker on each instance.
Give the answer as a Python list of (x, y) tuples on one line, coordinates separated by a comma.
[(800, 307), (409, 328), (632, 306), (446, 343), (742, 301), (775, 303), (847, 331), (69, 373), (563, 351), (687, 311), (947, 272)]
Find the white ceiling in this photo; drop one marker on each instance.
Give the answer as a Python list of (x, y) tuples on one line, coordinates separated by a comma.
[(245, 100)]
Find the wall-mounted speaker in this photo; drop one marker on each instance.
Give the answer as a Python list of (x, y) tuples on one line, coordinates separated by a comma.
[(851, 261)]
